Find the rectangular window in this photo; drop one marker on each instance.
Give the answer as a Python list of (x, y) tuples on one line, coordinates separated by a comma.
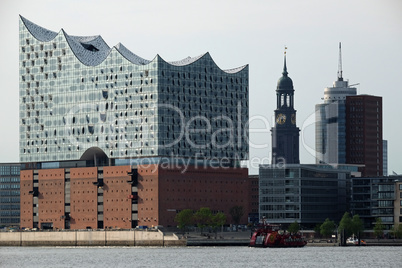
[(400, 186)]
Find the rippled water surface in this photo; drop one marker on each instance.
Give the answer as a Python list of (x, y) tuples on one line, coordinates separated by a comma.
[(200, 257)]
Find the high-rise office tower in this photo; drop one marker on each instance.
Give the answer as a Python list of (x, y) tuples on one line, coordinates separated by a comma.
[(285, 133), (349, 128), (364, 144), (330, 129)]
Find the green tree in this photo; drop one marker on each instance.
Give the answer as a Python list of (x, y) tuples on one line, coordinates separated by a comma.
[(397, 231), (294, 227), (357, 225), (203, 218), (327, 228), (237, 213), (345, 225), (317, 229), (184, 219), (378, 228), (219, 219)]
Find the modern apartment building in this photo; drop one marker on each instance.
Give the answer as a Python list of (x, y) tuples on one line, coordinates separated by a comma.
[(377, 197), (307, 194)]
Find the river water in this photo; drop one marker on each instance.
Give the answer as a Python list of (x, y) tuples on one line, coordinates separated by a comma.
[(200, 257)]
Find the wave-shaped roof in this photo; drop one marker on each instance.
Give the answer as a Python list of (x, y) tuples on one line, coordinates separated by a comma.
[(93, 50), (90, 53), (40, 33), (130, 55), (186, 61), (235, 70)]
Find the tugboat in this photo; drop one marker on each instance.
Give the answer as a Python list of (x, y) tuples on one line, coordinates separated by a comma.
[(269, 235)]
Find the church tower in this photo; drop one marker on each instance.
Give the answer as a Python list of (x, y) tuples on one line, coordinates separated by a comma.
[(285, 133)]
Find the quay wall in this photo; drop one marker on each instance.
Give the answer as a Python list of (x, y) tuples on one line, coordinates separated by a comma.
[(90, 238)]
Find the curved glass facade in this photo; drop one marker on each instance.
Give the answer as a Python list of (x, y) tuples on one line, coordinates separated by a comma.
[(76, 93)]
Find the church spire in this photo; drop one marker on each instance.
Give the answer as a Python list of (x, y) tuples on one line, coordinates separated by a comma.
[(285, 133), (285, 70)]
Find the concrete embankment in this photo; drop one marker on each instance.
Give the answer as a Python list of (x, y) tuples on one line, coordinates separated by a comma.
[(384, 242), (90, 238), (368, 242)]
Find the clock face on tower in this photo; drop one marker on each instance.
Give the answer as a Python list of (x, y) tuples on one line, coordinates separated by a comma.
[(293, 119), (281, 119)]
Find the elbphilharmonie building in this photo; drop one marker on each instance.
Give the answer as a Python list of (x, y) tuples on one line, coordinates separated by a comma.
[(98, 125), (83, 100)]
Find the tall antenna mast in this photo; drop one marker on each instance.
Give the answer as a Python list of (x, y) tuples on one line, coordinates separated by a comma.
[(340, 78)]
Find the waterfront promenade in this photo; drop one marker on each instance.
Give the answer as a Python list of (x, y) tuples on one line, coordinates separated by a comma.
[(150, 237), (243, 238)]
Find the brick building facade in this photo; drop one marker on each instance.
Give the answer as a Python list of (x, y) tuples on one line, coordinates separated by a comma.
[(364, 144), (126, 196)]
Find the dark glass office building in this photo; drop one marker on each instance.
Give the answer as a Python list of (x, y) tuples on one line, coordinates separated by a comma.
[(307, 194), (9, 194), (376, 197)]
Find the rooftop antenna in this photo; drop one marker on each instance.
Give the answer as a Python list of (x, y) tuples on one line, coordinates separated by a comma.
[(340, 78)]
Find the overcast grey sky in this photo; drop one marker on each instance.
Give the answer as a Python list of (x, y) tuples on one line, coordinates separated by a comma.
[(235, 33)]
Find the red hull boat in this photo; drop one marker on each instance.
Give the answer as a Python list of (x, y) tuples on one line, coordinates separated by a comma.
[(268, 235)]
